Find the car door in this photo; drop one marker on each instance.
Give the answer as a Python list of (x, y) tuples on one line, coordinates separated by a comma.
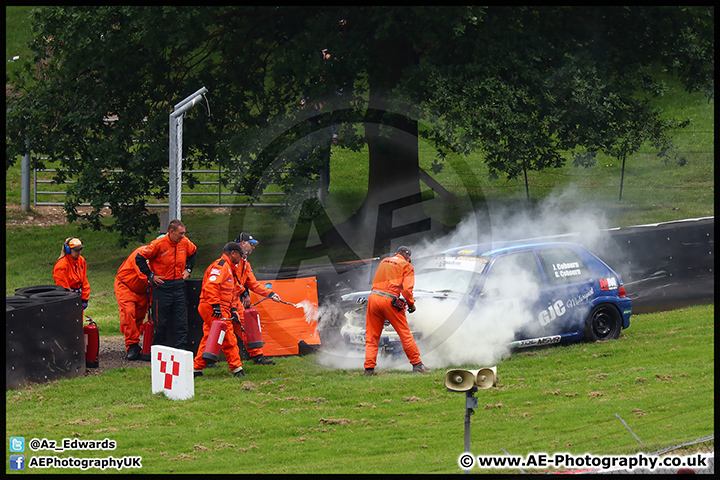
[(565, 302), (512, 293)]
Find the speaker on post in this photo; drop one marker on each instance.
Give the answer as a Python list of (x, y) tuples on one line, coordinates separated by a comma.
[(486, 378), (460, 380)]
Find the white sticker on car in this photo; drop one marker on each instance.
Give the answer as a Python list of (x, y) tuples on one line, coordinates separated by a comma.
[(574, 302), (554, 311), (569, 269)]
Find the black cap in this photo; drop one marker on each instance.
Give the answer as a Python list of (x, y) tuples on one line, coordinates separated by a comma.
[(245, 237), (232, 246)]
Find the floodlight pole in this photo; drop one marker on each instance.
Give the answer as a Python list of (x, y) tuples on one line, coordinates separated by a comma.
[(176, 132)]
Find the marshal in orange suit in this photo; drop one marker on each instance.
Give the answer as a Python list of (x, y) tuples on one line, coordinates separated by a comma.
[(395, 276)]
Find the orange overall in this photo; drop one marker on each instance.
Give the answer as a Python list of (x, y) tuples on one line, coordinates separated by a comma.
[(132, 294), (219, 287), (71, 273), (394, 276), (247, 279), (167, 260)]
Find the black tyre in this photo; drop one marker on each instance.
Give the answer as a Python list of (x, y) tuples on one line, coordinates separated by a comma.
[(603, 323), (54, 296), (32, 290), (14, 302)]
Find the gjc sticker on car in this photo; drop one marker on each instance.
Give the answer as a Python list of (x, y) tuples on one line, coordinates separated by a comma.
[(557, 309)]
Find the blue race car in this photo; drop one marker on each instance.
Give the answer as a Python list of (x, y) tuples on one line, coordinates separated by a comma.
[(542, 293)]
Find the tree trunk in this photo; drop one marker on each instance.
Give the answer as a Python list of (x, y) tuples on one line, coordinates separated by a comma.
[(392, 211), (527, 187)]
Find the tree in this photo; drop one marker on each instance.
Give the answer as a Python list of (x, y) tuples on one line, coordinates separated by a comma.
[(523, 85)]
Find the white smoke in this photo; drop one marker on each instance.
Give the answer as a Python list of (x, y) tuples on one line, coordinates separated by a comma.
[(453, 336), (311, 312), (477, 336)]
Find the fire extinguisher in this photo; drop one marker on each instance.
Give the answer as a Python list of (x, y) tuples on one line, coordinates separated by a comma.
[(148, 329), (253, 335), (92, 344), (218, 329)]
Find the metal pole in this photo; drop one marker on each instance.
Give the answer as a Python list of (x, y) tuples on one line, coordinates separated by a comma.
[(178, 168), (470, 403), (172, 174), (468, 413), (25, 179), (175, 153), (200, 91)]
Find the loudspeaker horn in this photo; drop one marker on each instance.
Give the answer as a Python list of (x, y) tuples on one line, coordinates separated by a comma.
[(486, 378), (460, 380)]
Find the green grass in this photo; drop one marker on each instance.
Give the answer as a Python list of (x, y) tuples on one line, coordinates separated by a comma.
[(299, 417), (17, 34)]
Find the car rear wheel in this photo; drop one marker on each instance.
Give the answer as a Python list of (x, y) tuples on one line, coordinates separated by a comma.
[(603, 323)]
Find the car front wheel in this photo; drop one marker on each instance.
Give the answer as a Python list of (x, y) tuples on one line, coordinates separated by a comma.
[(603, 323)]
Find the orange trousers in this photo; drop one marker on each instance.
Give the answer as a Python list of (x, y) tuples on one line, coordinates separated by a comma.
[(133, 308), (229, 345), (380, 308)]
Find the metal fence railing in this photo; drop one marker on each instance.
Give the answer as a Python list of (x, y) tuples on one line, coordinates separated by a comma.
[(48, 192)]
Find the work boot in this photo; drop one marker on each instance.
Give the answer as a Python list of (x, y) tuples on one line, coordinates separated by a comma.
[(369, 372), (420, 368), (239, 374), (133, 352), (211, 365), (198, 373), (262, 360)]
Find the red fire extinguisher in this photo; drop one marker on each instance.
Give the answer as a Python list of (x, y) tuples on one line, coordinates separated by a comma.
[(92, 344), (218, 329), (253, 335), (148, 329)]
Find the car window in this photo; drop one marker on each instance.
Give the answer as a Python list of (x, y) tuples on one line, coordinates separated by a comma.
[(446, 273), (513, 274), (563, 266)]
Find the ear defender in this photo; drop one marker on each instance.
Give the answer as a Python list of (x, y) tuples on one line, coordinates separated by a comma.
[(66, 247)]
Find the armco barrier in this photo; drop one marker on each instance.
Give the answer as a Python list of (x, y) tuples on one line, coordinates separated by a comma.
[(663, 266), (43, 340)]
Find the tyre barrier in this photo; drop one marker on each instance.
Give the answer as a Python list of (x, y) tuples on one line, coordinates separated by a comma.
[(13, 302), (193, 287), (54, 295), (44, 337), (29, 291)]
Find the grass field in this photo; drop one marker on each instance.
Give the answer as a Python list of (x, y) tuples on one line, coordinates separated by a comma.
[(299, 417)]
